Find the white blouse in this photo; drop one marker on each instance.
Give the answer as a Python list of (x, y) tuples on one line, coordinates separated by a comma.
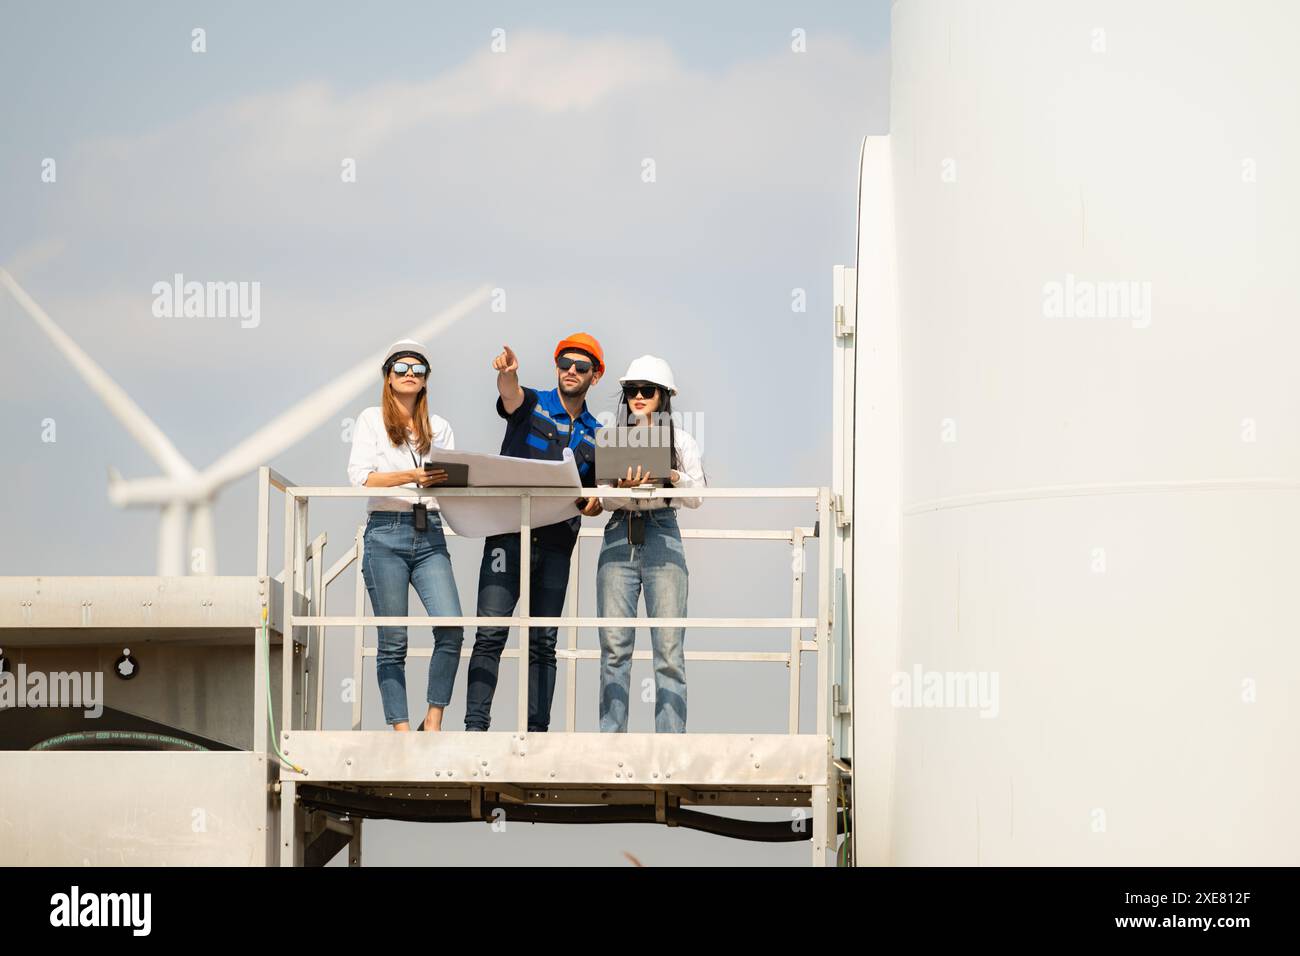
[(690, 474), (372, 451)]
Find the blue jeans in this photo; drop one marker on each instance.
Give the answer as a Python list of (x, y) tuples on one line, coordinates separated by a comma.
[(396, 557), (659, 567), (498, 593)]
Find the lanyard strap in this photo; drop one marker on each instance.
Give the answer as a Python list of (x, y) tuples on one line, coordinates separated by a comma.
[(575, 436), (419, 508)]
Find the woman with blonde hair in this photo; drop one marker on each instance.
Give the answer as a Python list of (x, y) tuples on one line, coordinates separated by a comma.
[(404, 540)]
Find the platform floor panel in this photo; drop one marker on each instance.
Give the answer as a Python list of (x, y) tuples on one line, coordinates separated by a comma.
[(559, 760), (69, 610)]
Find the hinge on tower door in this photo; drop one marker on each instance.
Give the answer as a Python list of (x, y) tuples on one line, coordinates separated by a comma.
[(842, 517), (839, 706), (843, 328)]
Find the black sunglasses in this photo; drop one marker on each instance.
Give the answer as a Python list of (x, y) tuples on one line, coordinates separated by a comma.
[(639, 390), (565, 363), (401, 368)]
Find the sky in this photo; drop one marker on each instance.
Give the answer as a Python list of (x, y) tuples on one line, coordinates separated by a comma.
[(673, 178)]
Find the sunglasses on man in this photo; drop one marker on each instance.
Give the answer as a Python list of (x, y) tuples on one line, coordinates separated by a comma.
[(565, 363), (418, 369)]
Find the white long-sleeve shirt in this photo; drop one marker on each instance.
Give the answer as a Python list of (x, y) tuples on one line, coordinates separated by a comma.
[(690, 474), (372, 451)]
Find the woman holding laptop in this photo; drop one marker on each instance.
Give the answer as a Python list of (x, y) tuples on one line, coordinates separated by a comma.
[(404, 541), (643, 550)]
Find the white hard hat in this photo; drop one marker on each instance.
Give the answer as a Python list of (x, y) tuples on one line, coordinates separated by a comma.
[(403, 347), (650, 368)]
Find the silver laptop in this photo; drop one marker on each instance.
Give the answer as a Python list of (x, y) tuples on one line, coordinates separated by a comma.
[(623, 447)]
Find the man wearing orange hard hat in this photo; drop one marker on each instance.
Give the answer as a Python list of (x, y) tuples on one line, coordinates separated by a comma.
[(539, 424)]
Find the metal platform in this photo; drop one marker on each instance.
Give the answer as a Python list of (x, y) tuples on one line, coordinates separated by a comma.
[(587, 761), (458, 775), (553, 777)]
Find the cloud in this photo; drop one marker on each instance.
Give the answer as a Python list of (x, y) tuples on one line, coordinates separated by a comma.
[(544, 144)]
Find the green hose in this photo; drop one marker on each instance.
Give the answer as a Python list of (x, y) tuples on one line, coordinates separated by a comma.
[(270, 710), (116, 740)]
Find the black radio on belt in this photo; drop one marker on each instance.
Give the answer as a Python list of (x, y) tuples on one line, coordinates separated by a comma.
[(420, 511)]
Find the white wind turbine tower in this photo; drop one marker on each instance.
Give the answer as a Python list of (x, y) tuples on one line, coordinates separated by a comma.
[(184, 494)]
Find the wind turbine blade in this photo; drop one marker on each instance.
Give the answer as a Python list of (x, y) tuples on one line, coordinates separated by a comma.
[(122, 406), (317, 408)]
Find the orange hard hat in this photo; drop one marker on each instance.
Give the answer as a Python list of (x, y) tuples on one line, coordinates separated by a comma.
[(583, 343)]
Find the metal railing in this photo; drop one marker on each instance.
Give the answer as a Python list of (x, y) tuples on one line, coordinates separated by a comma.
[(305, 582)]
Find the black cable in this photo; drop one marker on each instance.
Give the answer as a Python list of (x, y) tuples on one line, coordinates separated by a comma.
[(373, 807)]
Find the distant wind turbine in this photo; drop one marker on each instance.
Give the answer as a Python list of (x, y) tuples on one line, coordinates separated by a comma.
[(184, 494)]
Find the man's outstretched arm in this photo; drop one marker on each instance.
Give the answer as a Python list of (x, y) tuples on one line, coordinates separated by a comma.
[(507, 366)]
